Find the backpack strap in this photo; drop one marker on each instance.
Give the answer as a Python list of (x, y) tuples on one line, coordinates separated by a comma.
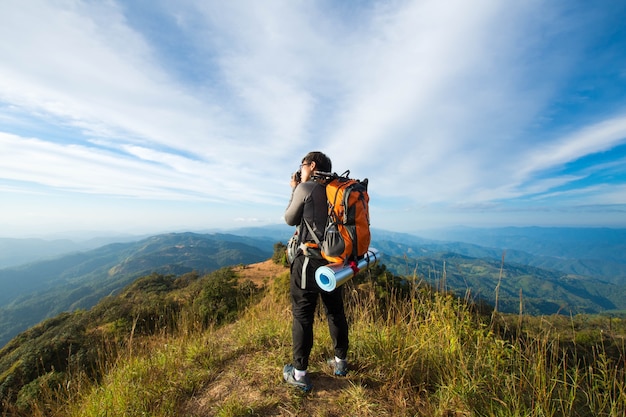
[(315, 238), (312, 250), (305, 263)]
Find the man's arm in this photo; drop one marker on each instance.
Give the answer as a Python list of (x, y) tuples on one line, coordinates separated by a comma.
[(295, 209)]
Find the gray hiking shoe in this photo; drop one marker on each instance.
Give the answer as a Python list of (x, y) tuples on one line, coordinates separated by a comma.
[(303, 383), (340, 368)]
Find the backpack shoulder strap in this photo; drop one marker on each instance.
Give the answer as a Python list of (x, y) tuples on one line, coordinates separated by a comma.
[(315, 238)]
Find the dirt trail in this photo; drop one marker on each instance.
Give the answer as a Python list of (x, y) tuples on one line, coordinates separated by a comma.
[(261, 271), (249, 381)]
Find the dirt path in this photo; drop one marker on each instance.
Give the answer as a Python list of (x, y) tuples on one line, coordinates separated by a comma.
[(260, 272)]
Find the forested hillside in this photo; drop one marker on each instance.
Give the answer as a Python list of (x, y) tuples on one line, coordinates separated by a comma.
[(519, 288), (599, 253), (36, 291), (476, 271)]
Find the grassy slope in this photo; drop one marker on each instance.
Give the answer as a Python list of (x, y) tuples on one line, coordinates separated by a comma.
[(424, 354)]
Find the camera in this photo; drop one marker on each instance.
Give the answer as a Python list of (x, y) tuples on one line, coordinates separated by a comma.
[(297, 176)]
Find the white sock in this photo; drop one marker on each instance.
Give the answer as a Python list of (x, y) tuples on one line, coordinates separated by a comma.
[(339, 360), (298, 373)]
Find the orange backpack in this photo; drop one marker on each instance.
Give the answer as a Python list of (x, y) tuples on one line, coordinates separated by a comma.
[(347, 234)]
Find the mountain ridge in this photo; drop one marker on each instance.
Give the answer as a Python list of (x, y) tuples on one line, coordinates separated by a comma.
[(79, 280), (43, 289)]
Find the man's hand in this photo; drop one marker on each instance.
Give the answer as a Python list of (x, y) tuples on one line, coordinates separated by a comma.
[(295, 179)]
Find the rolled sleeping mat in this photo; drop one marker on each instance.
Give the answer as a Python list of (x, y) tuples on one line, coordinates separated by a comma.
[(331, 276)]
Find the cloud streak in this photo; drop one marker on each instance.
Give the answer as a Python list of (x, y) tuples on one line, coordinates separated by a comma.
[(439, 105)]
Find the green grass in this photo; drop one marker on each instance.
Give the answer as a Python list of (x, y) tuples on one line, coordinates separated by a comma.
[(414, 352)]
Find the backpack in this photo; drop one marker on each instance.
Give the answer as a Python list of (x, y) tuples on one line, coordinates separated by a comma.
[(347, 233)]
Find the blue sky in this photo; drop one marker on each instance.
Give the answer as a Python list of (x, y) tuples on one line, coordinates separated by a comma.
[(152, 116)]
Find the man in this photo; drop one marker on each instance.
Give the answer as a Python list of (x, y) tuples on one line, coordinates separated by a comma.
[(308, 210)]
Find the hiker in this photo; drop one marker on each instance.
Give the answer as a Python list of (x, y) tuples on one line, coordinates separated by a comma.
[(308, 201)]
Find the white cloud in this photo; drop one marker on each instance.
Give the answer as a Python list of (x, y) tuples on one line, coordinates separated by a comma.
[(82, 64), (598, 137), (435, 103), (141, 173)]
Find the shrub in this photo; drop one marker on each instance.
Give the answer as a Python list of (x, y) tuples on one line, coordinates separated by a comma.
[(280, 255)]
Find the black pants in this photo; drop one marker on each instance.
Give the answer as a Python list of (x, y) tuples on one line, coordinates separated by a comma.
[(304, 302)]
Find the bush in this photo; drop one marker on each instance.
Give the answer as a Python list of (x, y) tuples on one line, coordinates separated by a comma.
[(221, 297), (280, 254)]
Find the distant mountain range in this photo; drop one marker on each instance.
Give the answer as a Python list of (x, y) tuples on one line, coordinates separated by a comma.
[(39, 290), (15, 252), (595, 252), (547, 277), (545, 270)]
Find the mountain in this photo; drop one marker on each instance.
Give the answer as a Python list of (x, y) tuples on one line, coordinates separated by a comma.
[(35, 291), (215, 345), (517, 287), (124, 299), (475, 271), (14, 252), (580, 242), (597, 254), (593, 252), (544, 282)]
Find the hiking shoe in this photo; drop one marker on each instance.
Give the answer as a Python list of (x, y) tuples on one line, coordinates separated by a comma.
[(303, 383), (340, 368)]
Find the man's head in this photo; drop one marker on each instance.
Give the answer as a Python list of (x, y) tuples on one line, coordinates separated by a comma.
[(317, 161)]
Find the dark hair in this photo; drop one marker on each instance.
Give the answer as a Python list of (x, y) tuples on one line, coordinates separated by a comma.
[(322, 162)]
